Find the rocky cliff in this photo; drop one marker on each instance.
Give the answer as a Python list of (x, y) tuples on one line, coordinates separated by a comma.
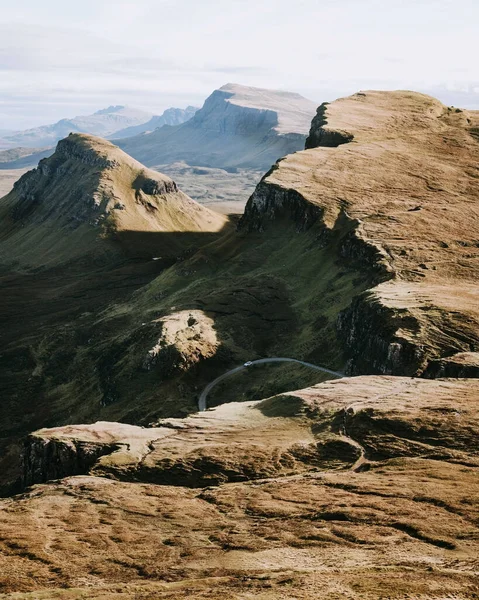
[(237, 126), (346, 423), (391, 176)]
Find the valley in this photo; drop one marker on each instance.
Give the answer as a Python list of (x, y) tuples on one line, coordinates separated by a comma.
[(124, 300)]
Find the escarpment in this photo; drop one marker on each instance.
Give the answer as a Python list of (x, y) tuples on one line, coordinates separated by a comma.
[(389, 175), (46, 459), (321, 135), (346, 424), (237, 127)]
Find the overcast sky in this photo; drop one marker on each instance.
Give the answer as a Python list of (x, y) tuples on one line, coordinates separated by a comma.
[(60, 58)]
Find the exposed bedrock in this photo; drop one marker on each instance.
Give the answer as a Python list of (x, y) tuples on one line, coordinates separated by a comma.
[(48, 458), (334, 425), (368, 331), (462, 364), (270, 203), (322, 135)]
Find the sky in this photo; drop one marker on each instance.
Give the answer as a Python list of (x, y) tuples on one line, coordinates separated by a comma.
[(62, 58)]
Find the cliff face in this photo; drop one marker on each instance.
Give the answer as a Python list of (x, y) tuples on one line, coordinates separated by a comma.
[(237, 127), (46, 459), (322, 135), (389, 175), (223, 117), (345, 424)]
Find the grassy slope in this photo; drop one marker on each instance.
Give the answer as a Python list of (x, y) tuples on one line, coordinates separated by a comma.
[(274, 294)]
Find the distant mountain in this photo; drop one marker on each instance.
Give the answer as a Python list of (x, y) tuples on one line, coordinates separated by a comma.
[(102, 123), (14, 154), (171, 116), (30, 152), (238, 126)]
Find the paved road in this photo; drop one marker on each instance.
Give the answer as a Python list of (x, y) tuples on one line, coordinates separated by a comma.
[(261, 361)]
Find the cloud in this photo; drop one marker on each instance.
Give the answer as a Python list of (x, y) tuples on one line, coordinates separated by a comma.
[(58, 59)]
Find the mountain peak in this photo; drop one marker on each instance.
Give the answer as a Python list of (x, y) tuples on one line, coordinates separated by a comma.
[(110, 109), (293, 111), (90, 193), (238, 126)]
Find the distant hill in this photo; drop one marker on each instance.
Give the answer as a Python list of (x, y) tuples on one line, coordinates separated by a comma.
[(88, 195), (102, 123), (29, 154), (171, 116), (14, 154), (237, 126)]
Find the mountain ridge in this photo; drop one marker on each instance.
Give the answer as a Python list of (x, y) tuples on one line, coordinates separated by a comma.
[(238, 126), (107, 194), (103, 122), (171, 116)]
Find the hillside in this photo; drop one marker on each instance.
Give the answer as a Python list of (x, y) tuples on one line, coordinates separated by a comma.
[(102, 123), (89, 226), (398, 171), (360, 257), (359, 253), (86, 195), (171, 116), (362, 488), (237, 126)]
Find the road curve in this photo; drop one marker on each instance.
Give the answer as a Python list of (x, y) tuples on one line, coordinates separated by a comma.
[(204, 394)]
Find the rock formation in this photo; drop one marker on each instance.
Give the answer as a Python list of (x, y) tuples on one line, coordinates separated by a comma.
[(238, 126), (363, 487), (392, 178), (88, 194)]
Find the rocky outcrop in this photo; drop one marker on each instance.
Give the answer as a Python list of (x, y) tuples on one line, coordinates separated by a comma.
[(463, 364), (343, 424), (369, 331), (272, 203), (399, 328), (80, 149), (321, 135), (184, 339), (51, 458)]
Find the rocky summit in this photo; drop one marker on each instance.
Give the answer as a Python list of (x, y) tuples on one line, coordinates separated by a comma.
[(359, 253)]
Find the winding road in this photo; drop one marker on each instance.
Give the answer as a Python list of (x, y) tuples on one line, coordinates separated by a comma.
[(204, 394)]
